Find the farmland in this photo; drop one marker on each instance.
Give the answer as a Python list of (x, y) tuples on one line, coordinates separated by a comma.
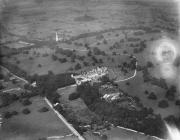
[(34, 125), (115, 34)]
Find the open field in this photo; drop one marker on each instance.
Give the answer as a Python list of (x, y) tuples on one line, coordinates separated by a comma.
[(40, 61), (121, 134), (34, 20), (41, 20), (107, 27), (138, 84), (31, 126)]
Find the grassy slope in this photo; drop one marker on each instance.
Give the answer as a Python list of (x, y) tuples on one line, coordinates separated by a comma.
[(76, 108), (33, 125)]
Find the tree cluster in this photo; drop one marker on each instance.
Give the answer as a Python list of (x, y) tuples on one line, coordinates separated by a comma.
[(111, 112), (97, 51)]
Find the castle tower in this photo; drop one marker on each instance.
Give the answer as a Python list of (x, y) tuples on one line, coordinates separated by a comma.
[(57, 39)]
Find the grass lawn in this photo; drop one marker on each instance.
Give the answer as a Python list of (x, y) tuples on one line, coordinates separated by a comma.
[(76, 108), (121, 134), (138, 84), (33, 125), (47, 64)]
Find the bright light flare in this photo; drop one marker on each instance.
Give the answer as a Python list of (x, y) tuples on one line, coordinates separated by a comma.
[(168, 71), (165, 50), (173, 132)]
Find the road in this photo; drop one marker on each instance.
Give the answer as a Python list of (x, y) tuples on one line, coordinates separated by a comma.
[(134, 75), (59, 137), (135, 71), (131, 130), (64, 121), (8, 90)]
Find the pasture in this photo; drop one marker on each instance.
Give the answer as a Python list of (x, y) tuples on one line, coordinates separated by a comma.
[(33, 125)]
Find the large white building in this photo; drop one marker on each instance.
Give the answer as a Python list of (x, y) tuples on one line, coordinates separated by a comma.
[(92, 75)]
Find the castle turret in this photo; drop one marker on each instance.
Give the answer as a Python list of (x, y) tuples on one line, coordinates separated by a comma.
[(57, 39)]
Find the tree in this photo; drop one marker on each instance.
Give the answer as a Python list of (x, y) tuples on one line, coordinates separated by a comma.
[(89, 53), (43, 109), (74, 96), (77, 66), (152, 96), (96, 51), (26, 102), (136, 50), (50, 73), (14, 81), (73, 57), (62, 60), (26, 111), (116, 45), (177, 102), (171, 119), (81, 58), (170, 94), (113, 53), (94, 59), (7, 115), (39, 65), (86, 64), (8, 98), (54, 57), (105, 41), (100, 61), (27, 86), (86, 45), (105, 79), (18, 62), (88, 93), (163, 104), (60, 109), (30, 58), (125, 64), (127, 83), (14, 113), (177, 62), (1, 86), (149, 64), (146, 92)]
